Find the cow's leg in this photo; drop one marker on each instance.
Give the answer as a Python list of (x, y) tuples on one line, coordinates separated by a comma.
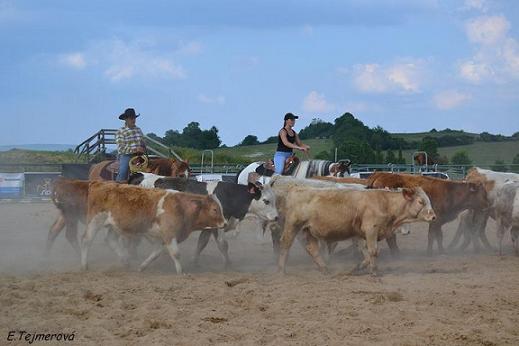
[(93, 226), (275, 231), (465, 221), (372, 245), (289, 233), (159, 247), (500, 235), (223, 246), (71, 234), (54, 231), (393, 246), (203, 239), (312, 247), (173, 252), (515, 239), (483, 236), (430, 239), (480, 221), (439, 239), (360, 245), (116, 244)]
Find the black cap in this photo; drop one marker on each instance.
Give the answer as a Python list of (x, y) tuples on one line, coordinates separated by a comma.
[(290, 116), (128, 113)]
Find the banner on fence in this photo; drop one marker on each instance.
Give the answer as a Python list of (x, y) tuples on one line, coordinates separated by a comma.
[(39, 184), (11, 185)]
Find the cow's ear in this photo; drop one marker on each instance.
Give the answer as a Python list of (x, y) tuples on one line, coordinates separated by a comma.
[(408, 194), (196, 204), (254, 190)]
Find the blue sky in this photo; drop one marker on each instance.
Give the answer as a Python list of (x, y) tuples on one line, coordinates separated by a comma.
[(68, 68)]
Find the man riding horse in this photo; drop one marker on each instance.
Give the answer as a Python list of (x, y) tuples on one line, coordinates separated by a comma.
[(130, 142)]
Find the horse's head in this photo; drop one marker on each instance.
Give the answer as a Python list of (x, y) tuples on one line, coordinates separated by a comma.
[(180, 168), (341, 167)]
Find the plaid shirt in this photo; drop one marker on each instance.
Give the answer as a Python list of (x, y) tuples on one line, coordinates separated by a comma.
[(128, 139)]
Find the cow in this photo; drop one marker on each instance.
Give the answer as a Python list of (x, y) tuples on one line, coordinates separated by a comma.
[(282, 185), (237, 202), (473, 223), (334, 215), (448, 199), (165, 217), (70, 197), (506, 211)]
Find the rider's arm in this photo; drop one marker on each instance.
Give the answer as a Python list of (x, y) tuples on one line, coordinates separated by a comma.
[(284, 139), (299, 143)]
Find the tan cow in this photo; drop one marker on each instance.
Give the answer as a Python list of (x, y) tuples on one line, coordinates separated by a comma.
[(165, 217), (448, 199), (334, 215)]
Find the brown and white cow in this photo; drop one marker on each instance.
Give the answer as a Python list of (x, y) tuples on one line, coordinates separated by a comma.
[(165, 217), (448, 199), (473, 223), (334, 215)]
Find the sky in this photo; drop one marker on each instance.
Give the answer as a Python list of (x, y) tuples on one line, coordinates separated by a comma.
[(69, 68)]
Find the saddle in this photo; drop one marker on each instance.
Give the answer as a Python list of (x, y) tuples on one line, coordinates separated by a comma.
[(267, 168), (138, 163)]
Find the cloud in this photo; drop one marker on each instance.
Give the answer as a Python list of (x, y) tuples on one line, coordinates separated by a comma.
[(74, 60), (475, 71), (190, 48), (219, 100), (308, 30), (122, 60), (400, 77), (497, 54), (480, 5), (449, 99), (316, 103), (487, 30)]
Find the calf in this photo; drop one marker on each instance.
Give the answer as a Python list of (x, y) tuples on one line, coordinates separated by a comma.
[(334, 215), (506, 211), (448, 199), (237, 201), (166, 217)]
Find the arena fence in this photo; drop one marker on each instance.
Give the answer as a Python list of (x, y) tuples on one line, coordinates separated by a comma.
[(33, 181)]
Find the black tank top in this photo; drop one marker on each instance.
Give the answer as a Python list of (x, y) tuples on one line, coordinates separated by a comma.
[(282, 146)]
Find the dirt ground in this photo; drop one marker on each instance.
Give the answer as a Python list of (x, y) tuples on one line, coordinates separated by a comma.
[(454, 299)]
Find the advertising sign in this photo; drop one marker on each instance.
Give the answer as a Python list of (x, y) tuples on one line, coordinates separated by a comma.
[(11, 185), (39, 184)]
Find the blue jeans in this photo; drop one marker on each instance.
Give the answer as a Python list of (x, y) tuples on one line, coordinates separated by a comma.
[(124, 167), (279, 161)]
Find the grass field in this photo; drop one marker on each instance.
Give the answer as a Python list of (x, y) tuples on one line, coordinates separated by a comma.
[(481, 153), (417, 136)]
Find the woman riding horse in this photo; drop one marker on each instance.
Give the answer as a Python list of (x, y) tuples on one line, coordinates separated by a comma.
[(288, 140)]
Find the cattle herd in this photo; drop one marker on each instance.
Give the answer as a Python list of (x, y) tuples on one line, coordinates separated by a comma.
[(318, 212)]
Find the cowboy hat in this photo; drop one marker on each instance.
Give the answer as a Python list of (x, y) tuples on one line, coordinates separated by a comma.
[(128, 113)]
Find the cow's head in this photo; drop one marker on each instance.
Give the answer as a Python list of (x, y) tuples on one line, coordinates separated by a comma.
[(419, 205), (207, 212), (180, 169), (263, 203), (477, 196)]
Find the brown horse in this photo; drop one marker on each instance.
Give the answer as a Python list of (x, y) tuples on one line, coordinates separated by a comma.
[(106, 170)]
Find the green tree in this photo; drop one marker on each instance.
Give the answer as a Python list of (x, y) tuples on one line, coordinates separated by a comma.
[(317, 128), (430, 146), (249, 140), (461, 158), (499, 166), (400, 159), (515, 163), (390, 157)]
